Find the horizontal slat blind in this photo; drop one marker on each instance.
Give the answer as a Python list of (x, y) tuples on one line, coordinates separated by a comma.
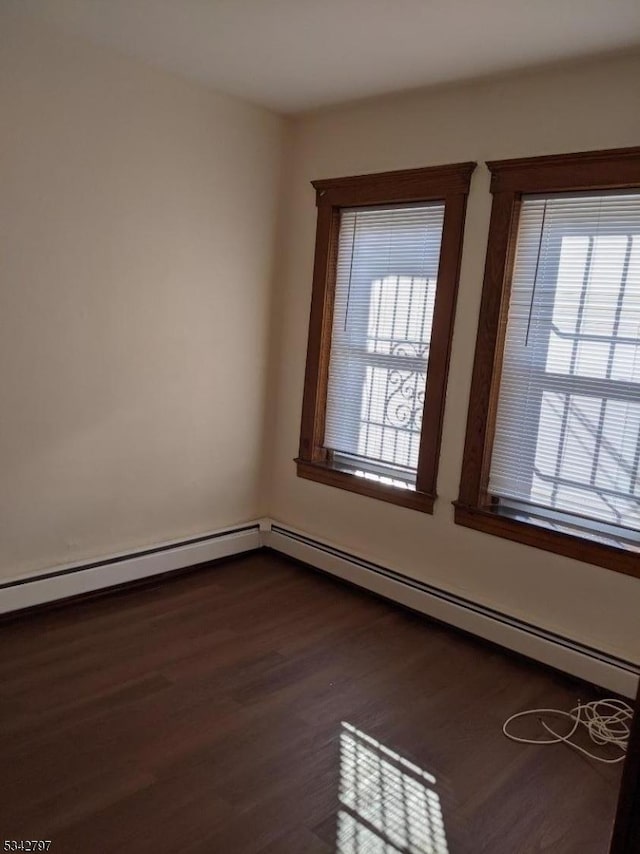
[(568, 421), (385, 292)]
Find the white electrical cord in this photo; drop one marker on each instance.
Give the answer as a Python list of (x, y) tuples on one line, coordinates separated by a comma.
[(607, 722)]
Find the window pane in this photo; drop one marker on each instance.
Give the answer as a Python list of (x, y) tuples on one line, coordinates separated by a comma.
[(385, 295), (568, 420)]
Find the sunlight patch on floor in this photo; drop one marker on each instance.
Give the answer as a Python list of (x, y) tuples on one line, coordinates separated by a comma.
[(389, 805)]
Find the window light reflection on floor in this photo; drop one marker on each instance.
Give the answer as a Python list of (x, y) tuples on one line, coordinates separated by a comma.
[(389, 805)]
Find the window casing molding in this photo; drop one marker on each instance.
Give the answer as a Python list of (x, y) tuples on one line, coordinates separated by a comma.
[(511, 180), (448, 184)]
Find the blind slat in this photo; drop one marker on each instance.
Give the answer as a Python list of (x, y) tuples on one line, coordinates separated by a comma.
[(385, 292), (568, 421)]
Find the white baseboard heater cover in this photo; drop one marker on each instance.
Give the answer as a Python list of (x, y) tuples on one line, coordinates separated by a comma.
[(61, 582), (577, 659)]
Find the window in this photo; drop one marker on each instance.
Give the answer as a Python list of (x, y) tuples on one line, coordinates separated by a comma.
[(553, 442), (382, 317), (385, 281)]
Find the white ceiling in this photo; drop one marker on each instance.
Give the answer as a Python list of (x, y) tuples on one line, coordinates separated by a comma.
[(293, 55)]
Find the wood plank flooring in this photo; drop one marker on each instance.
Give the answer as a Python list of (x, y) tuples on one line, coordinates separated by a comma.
[(257, 707)]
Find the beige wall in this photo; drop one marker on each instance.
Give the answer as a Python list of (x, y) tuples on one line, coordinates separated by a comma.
[(137, 229), (137, 217), (585, 107)]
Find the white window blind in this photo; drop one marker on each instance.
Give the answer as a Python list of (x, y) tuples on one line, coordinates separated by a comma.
[(567, 433), (386, 276)]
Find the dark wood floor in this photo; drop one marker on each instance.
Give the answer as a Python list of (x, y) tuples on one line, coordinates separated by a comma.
[(258, 706)]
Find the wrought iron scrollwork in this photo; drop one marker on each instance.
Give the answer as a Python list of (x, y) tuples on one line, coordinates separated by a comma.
[(405, 400), (406, 387), (410, 349)]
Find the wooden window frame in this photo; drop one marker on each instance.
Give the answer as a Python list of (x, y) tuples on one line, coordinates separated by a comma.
[(510, 180), (448, 184)]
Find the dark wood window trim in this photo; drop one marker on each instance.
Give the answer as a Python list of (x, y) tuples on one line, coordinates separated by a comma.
[(510, 180), (449, 184)]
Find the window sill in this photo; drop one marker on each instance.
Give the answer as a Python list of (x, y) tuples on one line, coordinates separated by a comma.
[(608, 552), (327, 474)]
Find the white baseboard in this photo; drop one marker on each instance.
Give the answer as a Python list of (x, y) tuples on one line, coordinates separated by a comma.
[(62, 582), (567, 655)]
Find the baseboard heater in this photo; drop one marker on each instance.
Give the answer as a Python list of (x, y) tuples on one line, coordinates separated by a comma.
[(63, 582), (573, 657)]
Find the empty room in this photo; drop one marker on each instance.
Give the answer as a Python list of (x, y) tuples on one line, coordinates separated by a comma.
[(320, 426)]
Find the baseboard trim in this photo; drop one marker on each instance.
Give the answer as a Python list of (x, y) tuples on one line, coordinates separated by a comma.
[(83, 578), (592, 665), (77, 579)]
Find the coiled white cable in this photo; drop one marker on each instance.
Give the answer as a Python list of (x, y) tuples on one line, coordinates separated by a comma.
[(607, 722)]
